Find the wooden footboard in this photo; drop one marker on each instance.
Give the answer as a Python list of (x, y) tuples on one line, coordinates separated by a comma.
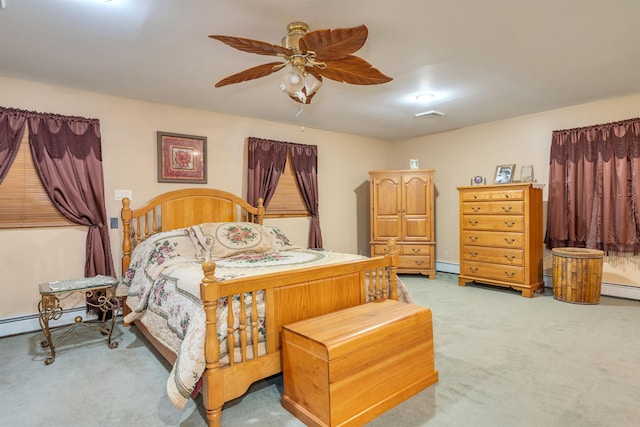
[(289, 297)]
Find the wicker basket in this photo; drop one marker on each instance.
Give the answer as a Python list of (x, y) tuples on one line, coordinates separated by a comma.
[(577, 275)]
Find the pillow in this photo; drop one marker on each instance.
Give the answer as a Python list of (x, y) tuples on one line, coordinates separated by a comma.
[(225, 239), (279, 241)]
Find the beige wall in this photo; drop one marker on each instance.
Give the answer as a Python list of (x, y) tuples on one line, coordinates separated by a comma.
[(459, 155), (29, 257)]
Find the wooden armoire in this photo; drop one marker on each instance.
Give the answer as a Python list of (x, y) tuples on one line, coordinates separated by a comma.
[(402, 208)]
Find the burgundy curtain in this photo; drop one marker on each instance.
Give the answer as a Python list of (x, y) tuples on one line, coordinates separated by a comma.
[(594, 188), (266, 160), (11, 132), (68, 159), (304, 160)]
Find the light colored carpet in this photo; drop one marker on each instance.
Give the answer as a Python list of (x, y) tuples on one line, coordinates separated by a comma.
[(503, 360)]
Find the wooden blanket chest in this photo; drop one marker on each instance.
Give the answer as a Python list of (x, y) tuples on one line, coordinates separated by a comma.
[(347, 367)]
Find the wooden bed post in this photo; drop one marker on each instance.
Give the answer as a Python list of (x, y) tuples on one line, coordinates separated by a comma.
[(212, 397), (261, 211), (125, 215), (392, 253)]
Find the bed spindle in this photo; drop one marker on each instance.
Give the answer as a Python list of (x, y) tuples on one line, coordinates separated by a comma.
[(243, 328), (254, 323), (231, 339)]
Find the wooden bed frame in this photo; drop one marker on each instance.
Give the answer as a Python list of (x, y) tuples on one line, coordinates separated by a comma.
[(289, 296)]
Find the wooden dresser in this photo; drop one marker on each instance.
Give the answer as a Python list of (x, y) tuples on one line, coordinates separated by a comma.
[(501, 236), (402, 205)]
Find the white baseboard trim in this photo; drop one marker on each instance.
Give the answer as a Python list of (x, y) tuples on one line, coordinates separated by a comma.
[(447, 267)]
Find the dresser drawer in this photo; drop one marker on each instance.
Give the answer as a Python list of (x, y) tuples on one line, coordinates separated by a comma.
[(489, 238), (493, 208), (503, 273), (414, 262), (493, 255), (488, 195), (378, 250), (425, 250), (509, 223), (416, 250)]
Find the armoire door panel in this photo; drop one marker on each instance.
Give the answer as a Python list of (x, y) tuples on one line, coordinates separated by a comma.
[(416, 229), (416, 196), (387, 228), (387, 197)]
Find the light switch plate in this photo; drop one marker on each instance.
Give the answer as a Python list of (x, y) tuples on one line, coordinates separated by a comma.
[(121, 194)]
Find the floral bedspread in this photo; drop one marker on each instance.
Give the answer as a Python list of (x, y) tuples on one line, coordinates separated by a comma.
[(163, 282)]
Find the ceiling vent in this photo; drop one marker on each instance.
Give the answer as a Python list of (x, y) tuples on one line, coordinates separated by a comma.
[(430, 113)]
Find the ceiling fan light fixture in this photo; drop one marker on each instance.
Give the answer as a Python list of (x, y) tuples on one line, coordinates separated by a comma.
[(311, 84), (292, 81)]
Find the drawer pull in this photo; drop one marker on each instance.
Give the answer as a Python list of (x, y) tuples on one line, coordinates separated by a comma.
[(419, 262), (473, 269), (509, 257), (510, 274), (507, 208), (475, 196), (473, 223), (473, 254), (473, 238), (416, 250), (510, 241), (506, 196), (475, 208), (510, 224)]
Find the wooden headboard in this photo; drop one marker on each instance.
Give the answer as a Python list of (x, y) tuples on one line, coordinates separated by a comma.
[(179, 209)]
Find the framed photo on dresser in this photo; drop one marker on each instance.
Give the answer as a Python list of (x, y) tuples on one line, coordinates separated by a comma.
[(504, 173)]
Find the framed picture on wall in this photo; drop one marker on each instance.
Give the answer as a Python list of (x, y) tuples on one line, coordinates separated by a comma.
[(182, 158), (504, 173)]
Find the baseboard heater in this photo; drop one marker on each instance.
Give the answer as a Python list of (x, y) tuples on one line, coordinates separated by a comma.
[(608, 289)]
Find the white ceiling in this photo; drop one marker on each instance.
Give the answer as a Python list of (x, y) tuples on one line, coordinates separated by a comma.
[(484, 60)]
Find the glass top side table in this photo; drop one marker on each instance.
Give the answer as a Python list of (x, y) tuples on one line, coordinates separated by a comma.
[(54, 295)]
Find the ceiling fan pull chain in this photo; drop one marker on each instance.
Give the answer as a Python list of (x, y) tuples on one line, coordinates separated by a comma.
[(300, 114)]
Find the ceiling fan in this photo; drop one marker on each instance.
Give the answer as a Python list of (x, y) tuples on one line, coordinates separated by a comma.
[(312, 55)]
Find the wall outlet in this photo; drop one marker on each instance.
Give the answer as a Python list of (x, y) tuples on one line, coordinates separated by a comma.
[(114, 222), (445, 254), (121, 194)]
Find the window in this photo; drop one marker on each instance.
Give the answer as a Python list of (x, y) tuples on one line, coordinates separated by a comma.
[(287, 200), (22, 197)]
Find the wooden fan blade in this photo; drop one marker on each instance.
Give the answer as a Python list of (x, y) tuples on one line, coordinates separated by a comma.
[(251, 73), (330, 45), (253, 46), (353, 70), (314, 71)]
